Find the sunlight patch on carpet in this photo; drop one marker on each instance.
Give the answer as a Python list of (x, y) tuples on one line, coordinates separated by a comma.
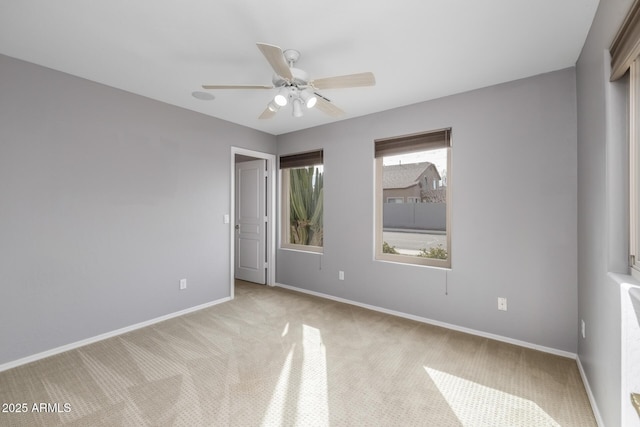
[(313, 402), (478, 405), (301, 391), (275, 414)]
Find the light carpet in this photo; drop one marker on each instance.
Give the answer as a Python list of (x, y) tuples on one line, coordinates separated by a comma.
[(275, 357)]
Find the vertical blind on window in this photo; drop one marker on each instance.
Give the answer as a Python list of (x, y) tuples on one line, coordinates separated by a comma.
[(414, 142), (301, 160), (626, 45)]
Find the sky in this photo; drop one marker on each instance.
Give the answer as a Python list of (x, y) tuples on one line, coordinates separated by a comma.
[(437, 157)]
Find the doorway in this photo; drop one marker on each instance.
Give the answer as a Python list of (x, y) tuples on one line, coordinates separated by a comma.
[(252, 219)]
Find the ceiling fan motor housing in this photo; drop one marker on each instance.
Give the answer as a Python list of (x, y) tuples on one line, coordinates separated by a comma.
[(300, 78)]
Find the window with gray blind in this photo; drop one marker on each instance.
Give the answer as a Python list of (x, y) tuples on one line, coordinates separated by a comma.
[(414, 167), (625, 58), (302, 177)]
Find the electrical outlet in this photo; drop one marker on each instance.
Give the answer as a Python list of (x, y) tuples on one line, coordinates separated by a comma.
[(502, 304), (584, 329), (183, 284), (340, 275)]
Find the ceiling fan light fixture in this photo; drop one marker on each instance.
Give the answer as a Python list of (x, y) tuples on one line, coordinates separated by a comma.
[(281, 97), (272, 106), (297, 107), (309, 98)]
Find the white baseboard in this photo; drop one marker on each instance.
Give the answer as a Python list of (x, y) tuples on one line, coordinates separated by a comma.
[(437, 323), (81, 343), (592, 399)]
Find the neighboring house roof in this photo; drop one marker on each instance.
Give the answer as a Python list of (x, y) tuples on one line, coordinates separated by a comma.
[(403, 176)]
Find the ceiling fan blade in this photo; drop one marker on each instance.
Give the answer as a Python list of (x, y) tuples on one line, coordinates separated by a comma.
[(275, 57), (328, 108), (350, 80), (267, 114), (236, 87)]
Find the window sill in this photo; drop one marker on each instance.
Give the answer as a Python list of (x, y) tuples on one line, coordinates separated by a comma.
[(629, 342), (412, 264), (310, 250), (631, 285)]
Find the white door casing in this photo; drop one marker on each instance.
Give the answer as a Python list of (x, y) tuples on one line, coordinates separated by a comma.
[(250, 221)]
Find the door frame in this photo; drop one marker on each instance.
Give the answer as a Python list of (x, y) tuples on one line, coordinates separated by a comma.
[(271, 215)]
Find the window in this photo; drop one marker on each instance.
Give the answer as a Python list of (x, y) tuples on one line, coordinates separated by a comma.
[(414, 233), (301, 176), (634, 169), (395, 199), (413, 200), (625, 55)]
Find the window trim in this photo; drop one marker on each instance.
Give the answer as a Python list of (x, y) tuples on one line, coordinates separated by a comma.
[(626, 44), (287, 162), (625, 55), (432, 140), (634, 166)]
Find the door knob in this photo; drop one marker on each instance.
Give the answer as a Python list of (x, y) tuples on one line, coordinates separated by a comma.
[(237, 226)]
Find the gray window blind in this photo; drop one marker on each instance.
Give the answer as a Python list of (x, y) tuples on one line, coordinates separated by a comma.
[(301, 160), (414, 142), (626, 45)]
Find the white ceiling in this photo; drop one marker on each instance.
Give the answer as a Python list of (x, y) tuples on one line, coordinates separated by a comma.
[(417, 49)]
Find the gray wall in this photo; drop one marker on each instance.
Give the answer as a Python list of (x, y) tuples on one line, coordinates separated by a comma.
[(521, 137), (107, 200), (602, 208)]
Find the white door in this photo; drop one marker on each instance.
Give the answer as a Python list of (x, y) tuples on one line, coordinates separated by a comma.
[(251, 215)]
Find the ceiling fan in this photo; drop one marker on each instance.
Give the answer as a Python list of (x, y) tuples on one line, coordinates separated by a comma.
[(295, 87)]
